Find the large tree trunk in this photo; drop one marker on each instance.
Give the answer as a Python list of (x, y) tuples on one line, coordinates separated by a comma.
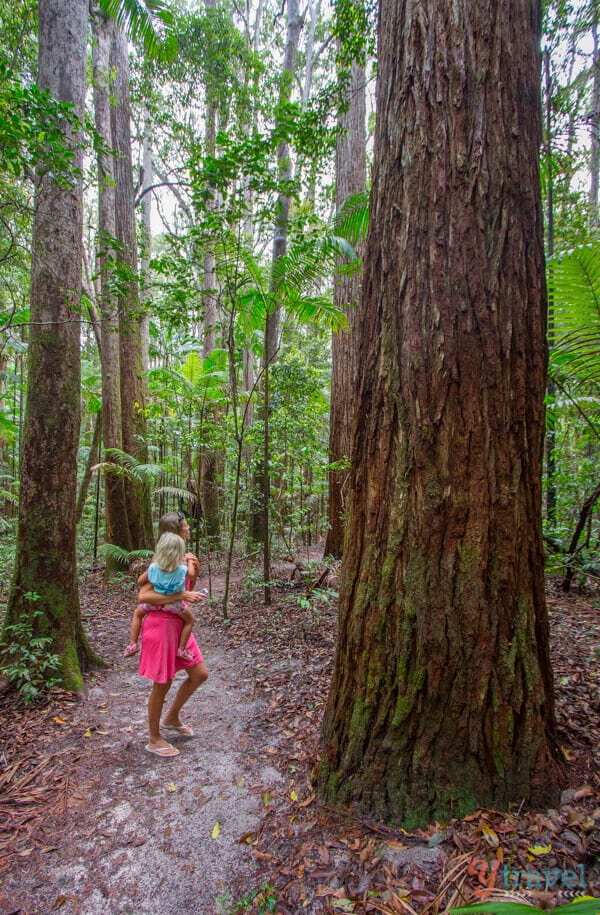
[(45, 575), (442, 695), (351, 178), (133, 382), (115, 506)]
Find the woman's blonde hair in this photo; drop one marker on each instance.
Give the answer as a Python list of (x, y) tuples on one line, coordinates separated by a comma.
[(170, 552)]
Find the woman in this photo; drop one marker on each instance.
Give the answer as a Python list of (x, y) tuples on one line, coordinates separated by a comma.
[(158, 657)]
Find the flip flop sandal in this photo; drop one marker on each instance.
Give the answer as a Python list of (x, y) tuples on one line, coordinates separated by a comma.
[(165, 752), (182, 729)]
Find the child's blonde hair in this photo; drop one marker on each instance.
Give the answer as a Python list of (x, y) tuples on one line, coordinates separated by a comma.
[(170, 552)]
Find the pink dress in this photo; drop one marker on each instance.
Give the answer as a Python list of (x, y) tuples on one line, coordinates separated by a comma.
[(160, 638)]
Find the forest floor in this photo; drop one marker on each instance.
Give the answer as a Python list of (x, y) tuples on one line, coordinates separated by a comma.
[(90, 823)]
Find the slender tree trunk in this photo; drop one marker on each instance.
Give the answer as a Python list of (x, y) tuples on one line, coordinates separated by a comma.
[(211, 461), (595, 123), (585, 513), (550, 444), (133, 382), (147, 179), (107, 255), (260, 516), (45, 577), (3, 440), (315, 12), (351, 178), (442, 695), (93, 458)]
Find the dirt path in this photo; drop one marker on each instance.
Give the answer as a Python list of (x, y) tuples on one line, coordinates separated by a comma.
[(90, 823), (134, 833)]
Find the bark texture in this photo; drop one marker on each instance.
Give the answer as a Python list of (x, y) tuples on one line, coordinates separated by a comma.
[(107, 256), (351, 178), (442, 696), (45, 577)]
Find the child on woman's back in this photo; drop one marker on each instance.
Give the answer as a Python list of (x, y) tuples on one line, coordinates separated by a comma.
[(167, 574)]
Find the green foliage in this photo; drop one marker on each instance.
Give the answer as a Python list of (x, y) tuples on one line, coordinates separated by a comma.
[(573, 405), (120, 558), (26, 660), (35, 130), (261, 901), (355, 26), (574, 287), (579, 907), (126, 465), (147, 23), (352, 219)]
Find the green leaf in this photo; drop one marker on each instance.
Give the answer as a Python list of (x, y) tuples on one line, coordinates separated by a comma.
[(498, 908), (580, 907), (141, 23)]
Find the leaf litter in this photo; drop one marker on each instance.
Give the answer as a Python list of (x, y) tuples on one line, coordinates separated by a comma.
[(316, 859)]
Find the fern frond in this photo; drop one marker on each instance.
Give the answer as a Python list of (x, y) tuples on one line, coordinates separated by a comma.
[(121, 558), (352, 219)]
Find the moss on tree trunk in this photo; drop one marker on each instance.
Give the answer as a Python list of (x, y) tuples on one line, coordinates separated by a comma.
[(45, 576), (442, 697)]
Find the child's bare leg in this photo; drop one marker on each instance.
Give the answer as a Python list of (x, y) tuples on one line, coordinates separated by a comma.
[(188, 624), (134, 632)]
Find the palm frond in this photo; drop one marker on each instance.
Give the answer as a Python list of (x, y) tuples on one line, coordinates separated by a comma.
[(352, 219), (318, 310), (253, 304), (126, 465), (306, 264), (574, 304), (176, 491), (141, 23), (121, 558)]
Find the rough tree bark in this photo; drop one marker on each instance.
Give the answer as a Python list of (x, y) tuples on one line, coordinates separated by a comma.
[(107, 255), (442, 694), (45, 576), (351, 178)]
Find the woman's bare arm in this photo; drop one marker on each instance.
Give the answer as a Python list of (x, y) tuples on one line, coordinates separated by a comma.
[(148, 595)]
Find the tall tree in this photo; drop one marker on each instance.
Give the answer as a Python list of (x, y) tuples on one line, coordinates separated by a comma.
[(210, 459), (260, 516), (45, 576), (442, 694), (351, 178), (107, 257), (595, 120), (132, 359)]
